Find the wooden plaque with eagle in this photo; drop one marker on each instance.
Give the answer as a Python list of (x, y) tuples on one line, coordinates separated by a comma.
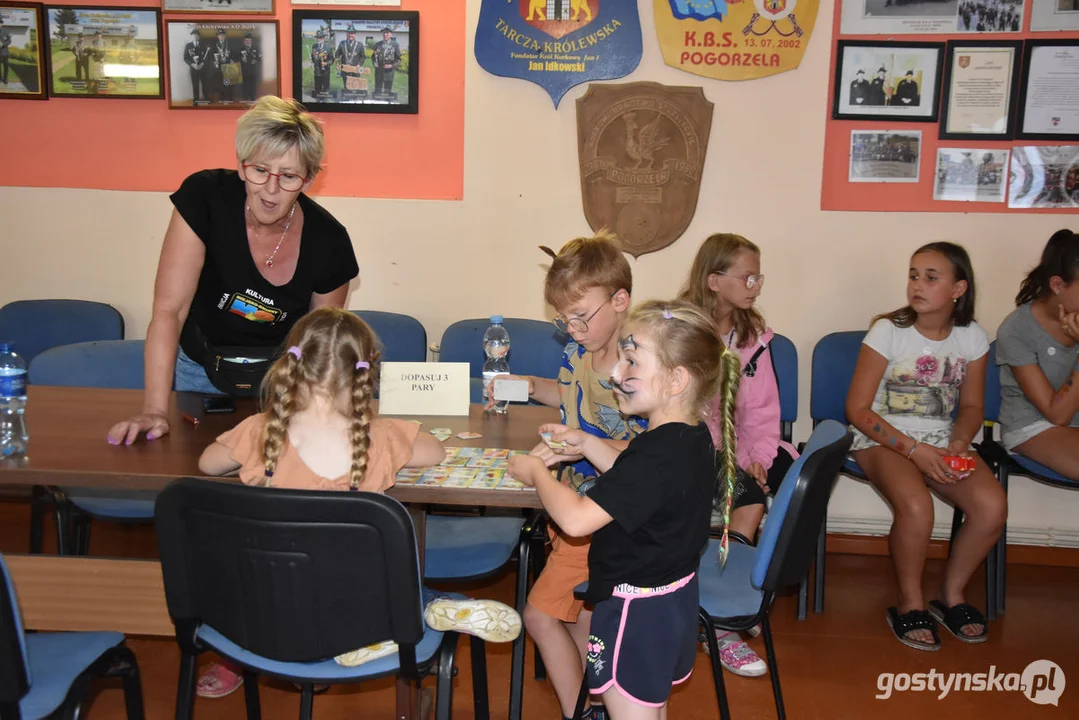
[(642, 147)]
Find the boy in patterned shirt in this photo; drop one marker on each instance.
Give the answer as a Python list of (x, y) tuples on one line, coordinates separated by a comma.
[(589, 284)]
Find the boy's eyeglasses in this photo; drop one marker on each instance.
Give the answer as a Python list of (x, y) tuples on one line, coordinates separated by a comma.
[(258, 175), (751, 281), (577, 324)]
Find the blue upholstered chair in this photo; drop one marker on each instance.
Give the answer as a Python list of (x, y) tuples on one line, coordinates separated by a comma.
[(403, 337), (834, 360), (785, 362), (37, 325), (739, 595), (44, 675), (106, 364), (257, 576)]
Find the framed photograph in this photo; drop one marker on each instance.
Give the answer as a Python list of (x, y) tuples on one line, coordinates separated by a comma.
[(1048, 101), (1054, 15), (887, 81), (356, 60), (990, 16), (22, 54), (981, 84), (1044, 177), (885, 156), (898, 17), (246, 7), (969, 175), (104, 52), (222, 65)]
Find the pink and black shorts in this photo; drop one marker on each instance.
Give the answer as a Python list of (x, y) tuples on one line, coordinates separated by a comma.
[(644, 640)]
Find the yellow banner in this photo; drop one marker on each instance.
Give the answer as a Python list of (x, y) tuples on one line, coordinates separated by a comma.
[(736, 39)]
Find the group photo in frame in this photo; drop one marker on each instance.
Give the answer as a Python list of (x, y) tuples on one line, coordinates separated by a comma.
[(22, 51), (222, 65), (244, 7), (887, 81), (104, 52), (898, 17), (356, 60), (1048, 100), (885, 156), (981, 84)]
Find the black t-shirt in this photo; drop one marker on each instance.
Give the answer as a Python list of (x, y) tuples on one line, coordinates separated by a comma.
[(233, 304), (659, 492)]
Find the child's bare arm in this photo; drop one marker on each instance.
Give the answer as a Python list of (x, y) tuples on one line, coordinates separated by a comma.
[(215, 460), (971, 406), (541, 390), (427, 450), (1058, 406), (577, 516), (863, 388)]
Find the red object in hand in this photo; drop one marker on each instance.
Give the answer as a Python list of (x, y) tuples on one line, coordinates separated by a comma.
[(959, 463)]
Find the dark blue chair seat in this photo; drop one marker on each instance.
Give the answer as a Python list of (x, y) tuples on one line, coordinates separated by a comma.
[(46, 675), (1041, 472), (728, 592), (460, 548)]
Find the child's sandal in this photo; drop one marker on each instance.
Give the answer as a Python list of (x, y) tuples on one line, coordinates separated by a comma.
[(955, 617), (910, 621)]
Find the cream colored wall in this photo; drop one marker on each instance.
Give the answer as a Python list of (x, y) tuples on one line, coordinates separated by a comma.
[(442, 261)]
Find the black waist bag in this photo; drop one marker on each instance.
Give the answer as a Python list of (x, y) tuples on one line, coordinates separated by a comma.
[(232, 377)]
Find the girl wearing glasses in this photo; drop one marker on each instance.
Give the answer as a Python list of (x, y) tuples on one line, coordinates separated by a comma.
[(724, 282), (246, 255)]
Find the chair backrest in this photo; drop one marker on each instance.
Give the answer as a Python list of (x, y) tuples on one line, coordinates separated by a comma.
[(37, 325), (403, 337), (105, 364), (14, 671), (785, 362), (535, 346), (834, 358), (789, 537), (291, 575), (992, 385)]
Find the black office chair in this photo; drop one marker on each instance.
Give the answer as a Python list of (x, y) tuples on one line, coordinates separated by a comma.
[(282, 581)]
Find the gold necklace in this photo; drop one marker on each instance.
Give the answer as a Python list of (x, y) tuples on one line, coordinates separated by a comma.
[(288, 224)]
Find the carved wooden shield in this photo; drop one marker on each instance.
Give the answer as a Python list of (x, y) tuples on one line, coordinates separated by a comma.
[(641, 147)]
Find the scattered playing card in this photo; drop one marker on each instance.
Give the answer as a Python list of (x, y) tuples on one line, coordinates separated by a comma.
[(554, 444), (468, 435), (513, 390), (440, 431), (418, 422)]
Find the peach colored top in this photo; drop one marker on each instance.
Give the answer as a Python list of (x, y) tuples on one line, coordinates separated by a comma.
[(390, 448)]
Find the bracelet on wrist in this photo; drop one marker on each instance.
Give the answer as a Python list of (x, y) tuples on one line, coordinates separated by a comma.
[(910, 453)]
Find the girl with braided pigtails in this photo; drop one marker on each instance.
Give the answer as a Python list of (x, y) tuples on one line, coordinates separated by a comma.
[(318, 431), (649, 512)]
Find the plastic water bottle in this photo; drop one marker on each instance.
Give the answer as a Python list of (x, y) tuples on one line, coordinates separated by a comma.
[(13, 434), (496, 345)]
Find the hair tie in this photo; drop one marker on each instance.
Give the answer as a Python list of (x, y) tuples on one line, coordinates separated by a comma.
[(667, 314), (363, 364), (294, 351)]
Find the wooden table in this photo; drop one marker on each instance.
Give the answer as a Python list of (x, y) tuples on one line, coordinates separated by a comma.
[(68, 447)]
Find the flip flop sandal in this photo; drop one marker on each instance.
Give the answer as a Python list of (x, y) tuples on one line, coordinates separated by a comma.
[(488, 620), (955, 617), (913, 620), (217, 682)]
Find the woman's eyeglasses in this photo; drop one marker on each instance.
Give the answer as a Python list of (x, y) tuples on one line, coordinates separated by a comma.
[(258, 175), (751, 281), (580, 325)]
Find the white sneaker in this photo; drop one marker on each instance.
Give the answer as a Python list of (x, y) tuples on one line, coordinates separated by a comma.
[(488, 620), (739, 658)]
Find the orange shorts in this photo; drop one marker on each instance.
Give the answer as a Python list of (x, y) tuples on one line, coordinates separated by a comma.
[(566, 568)]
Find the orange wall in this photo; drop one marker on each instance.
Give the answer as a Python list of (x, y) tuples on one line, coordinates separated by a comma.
[(143, 145)]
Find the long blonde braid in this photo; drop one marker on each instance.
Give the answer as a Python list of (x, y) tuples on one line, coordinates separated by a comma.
[(731, 372), (279, 393), (359, 428)]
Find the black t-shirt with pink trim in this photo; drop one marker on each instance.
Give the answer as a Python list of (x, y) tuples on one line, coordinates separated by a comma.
[(233, 304)]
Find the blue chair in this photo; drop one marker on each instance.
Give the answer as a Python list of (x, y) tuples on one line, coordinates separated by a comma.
[(834, 360), (535, 348), (37, 325), (256, 575), (106, 364), (403, 337), (44, 675), (1008, 463), (785, 362), (739, 595)]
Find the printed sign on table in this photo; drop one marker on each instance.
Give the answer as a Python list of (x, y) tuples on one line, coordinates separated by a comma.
[(734, 39), (558, 44)]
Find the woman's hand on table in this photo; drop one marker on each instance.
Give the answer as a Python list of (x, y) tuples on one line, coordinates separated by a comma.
[(525, 468), (127, 431)]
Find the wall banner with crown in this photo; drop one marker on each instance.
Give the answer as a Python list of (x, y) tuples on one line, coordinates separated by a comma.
[(734, 39), (558, 44), (641, 148)]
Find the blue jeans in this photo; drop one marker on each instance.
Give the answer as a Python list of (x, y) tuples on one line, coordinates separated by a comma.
[(191, 377)]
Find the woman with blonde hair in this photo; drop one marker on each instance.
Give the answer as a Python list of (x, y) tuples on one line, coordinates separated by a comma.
[(246, 255)]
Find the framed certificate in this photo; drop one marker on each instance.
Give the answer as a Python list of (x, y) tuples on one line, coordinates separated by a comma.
[(981, 82), (1049, 103)]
